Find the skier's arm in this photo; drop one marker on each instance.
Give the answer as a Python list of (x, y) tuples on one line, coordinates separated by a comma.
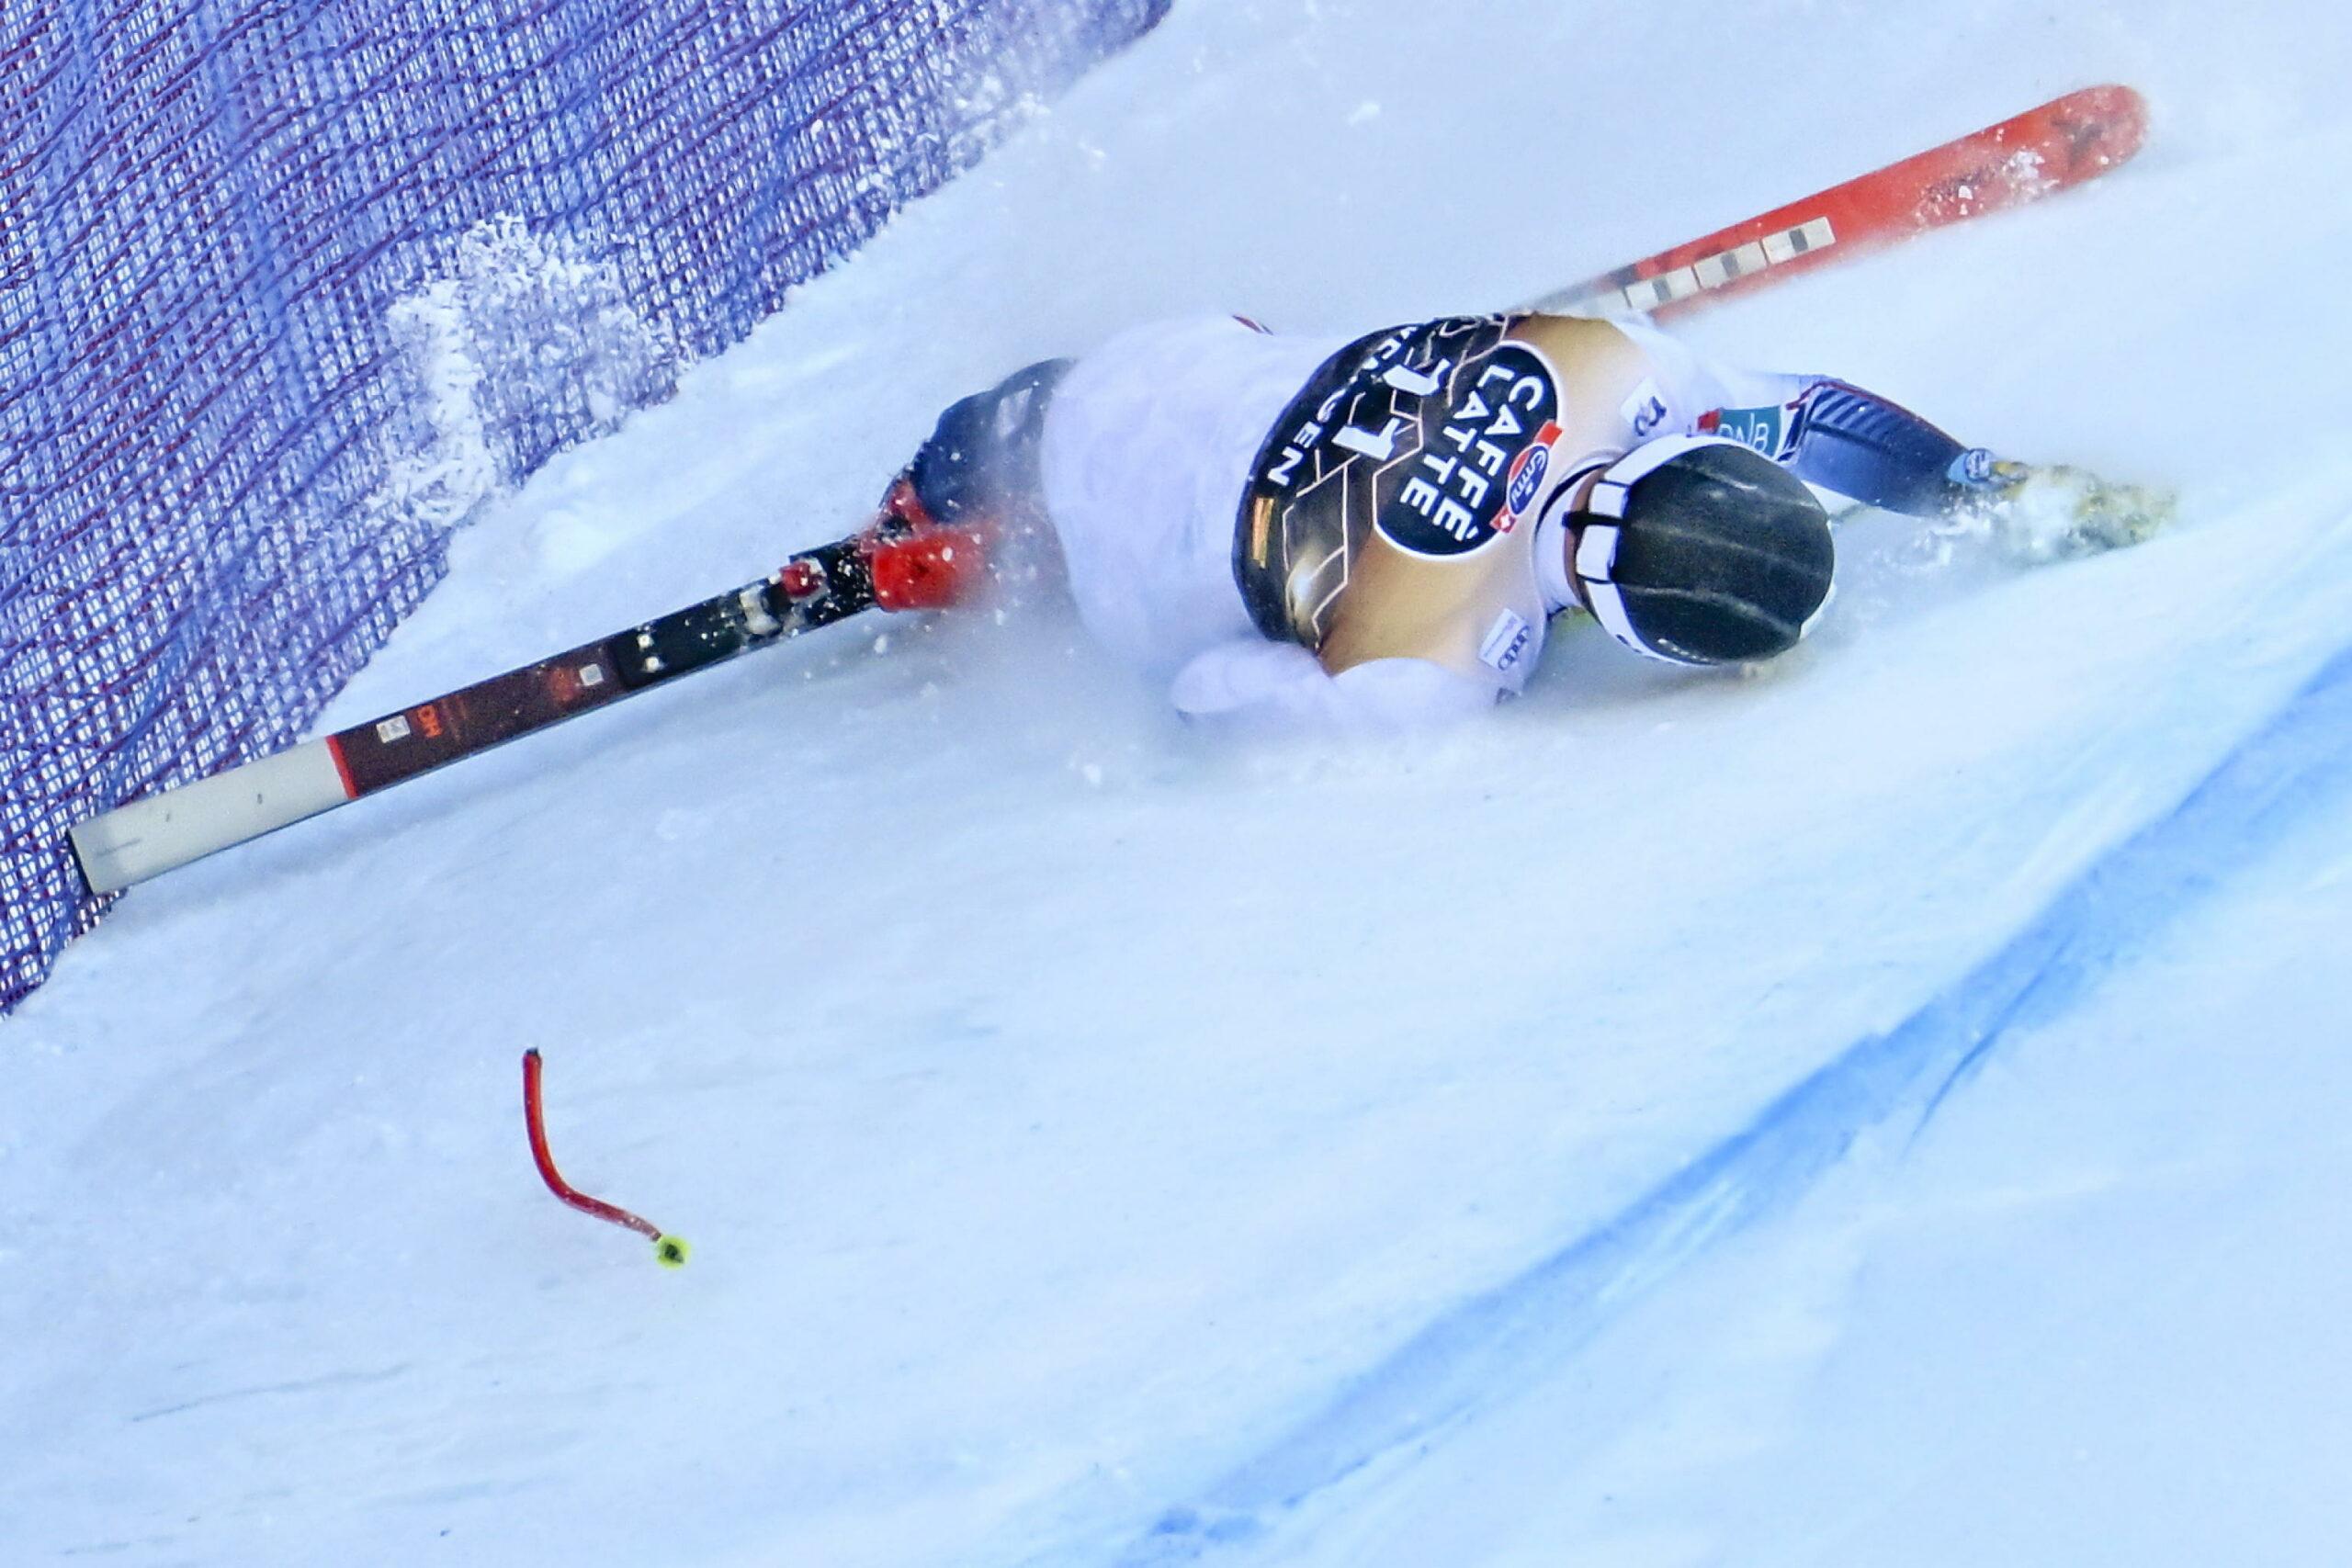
[(1830, 433), (1858, 443), (1251, 683)]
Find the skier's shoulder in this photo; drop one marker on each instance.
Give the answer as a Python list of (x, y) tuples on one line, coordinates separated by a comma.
[(1657, 380), (1581, 346)]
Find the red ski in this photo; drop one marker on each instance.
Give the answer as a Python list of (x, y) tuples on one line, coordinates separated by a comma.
[(2062, 144), (894, 566)]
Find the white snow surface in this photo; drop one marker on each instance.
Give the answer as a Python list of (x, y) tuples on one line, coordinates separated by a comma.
[(1886, 1110)]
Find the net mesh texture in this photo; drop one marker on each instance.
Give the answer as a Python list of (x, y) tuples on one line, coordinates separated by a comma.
[(251, 254)]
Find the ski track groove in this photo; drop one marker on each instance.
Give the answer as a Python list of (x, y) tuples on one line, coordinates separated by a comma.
[(1469, 1360)]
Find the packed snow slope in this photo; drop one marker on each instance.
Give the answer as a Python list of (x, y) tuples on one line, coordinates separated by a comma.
[(1882, 1110)]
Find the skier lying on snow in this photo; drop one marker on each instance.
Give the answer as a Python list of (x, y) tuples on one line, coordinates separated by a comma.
[(1377, 531)]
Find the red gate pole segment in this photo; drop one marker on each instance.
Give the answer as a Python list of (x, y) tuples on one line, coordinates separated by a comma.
[(669, 1251)]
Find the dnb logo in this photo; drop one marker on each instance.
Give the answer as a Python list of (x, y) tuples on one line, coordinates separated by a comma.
[(1773, 431), (1454, 497)]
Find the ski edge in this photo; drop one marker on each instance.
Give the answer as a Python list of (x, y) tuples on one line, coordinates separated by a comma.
[(2103, 128)]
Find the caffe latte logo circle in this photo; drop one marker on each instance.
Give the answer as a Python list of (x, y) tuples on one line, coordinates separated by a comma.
[(1450, 500)]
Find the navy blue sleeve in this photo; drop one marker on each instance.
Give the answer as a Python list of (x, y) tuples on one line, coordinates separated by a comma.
[(1859, 445), (1828, 433)]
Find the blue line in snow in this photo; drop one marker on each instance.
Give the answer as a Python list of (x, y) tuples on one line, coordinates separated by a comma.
[(1478, 1352)]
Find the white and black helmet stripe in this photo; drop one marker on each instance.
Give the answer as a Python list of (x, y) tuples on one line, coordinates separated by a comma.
[(1604, 514), (1553, 531)]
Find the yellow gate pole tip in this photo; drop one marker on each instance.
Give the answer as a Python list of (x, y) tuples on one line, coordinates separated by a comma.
[(669, 1251)]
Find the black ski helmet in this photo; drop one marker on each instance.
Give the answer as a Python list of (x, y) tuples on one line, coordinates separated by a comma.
[(1698, 549)]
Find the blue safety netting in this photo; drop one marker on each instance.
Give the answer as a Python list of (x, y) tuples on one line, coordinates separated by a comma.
[(286, 288)]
